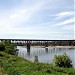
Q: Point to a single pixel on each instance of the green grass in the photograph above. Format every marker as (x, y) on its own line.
(14, 65)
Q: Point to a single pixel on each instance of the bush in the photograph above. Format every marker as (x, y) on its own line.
(2, 47)
(7, 47)
(10, 50)
(62, 61)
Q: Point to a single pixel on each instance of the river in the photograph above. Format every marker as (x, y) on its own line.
(45, 55)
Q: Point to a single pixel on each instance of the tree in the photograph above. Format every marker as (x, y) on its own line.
(7, 47)
(62, 61)
(2, 46)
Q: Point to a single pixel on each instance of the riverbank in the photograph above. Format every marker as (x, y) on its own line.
(61, 47)
(14, 65)
(54, 46)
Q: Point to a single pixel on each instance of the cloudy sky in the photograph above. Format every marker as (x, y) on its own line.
(37, 19)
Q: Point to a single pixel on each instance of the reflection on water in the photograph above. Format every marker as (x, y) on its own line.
(45, 55)
(46, 49)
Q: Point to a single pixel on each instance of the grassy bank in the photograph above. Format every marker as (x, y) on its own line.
(14, 65)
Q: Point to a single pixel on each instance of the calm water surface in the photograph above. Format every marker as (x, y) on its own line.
(45, 55)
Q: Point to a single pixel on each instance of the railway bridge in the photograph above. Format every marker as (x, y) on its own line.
(39, 42)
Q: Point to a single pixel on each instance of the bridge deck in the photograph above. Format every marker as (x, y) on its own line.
(34, 40)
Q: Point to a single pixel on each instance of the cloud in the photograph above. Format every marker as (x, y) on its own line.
(64, 14)
(68, 28)
(65, 22)
(25, 14)
(67, 13)
(16, 16)
(24, 18)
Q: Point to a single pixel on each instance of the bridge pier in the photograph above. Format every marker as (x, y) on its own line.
(46, 44)
(28, 48)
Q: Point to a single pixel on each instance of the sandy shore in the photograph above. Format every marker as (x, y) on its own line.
(62, 46)
(54, 46)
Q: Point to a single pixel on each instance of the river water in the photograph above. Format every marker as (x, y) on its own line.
(45, 55)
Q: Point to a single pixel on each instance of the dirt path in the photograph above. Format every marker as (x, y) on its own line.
(2, 72)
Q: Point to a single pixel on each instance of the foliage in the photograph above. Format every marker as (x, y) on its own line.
(18, 66)
(2, 47)
(14, 65)
(62, 61)
(7, 47)
(10, 49)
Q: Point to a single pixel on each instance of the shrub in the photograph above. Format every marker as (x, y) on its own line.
(62, 61)
(7, 47)
(2, 47)
(10, 50)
